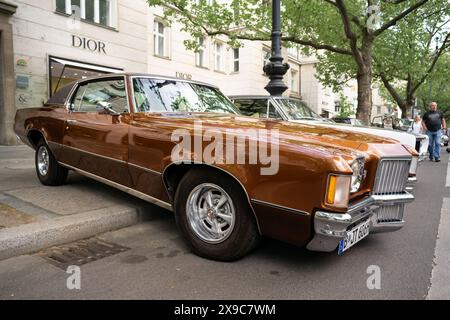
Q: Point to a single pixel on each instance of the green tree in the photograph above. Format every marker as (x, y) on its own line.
(408, 55)
(345, 107)
(340, 28)
(437, 87)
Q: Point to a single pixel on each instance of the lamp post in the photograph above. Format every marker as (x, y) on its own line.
(276, 69)
(431, 83)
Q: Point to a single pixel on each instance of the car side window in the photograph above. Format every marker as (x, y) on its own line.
(101, 96)
(256, 108)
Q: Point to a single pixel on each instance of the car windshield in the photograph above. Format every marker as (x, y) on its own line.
(298, 110)
(405, 122)
(160, 95)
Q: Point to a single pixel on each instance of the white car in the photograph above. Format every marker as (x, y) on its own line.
(295, 110)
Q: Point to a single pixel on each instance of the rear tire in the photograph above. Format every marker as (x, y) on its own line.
(214, 216)
(48, 170)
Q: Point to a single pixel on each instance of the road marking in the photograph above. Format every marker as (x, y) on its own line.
(448, 175)
(440, 284)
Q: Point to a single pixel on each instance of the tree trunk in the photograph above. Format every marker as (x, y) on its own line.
(364, 78)
(406, 108)
(363, 112)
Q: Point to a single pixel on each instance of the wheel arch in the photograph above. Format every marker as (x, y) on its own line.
(34, 136)
(174, 172)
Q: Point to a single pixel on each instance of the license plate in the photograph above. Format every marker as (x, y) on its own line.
(354, 236)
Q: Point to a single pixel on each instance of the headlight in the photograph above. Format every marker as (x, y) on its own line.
(338, 191)
(358, 174)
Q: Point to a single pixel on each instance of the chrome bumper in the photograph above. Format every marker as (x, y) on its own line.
(331, 228)
(411, 185)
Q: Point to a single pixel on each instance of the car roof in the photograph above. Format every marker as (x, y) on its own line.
(145, 75)
(60, 96)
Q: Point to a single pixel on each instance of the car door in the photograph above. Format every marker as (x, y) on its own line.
(96, 131)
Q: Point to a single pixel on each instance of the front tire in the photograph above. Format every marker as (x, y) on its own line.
(214, 216)
(49, 171)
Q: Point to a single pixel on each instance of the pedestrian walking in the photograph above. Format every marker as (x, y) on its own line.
(417, 128)
(433, 123)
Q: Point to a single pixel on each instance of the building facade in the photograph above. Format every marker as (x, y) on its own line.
(47, 44)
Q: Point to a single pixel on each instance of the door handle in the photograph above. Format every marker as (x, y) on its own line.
(69, 122)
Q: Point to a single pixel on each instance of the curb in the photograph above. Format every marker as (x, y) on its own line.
(31, 238)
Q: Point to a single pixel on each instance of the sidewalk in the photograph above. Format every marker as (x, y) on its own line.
(33, 217)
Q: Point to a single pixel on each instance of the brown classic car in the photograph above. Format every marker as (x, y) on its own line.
(330, 188)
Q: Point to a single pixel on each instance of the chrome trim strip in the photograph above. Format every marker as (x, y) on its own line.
(145, 169)
(300, 212)
(95, 154)
(109, 158)
(116, 185)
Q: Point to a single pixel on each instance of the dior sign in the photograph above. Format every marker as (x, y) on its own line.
(88, 44)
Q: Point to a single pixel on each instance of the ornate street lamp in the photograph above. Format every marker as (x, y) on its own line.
(436, 52)
(276, 69)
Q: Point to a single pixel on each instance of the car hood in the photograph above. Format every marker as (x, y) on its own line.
(402, 137)
(307, 134)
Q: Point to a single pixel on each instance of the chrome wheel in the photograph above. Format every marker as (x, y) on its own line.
(211, 213)
(43, 160)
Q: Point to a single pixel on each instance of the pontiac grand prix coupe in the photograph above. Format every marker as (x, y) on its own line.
(333, 187)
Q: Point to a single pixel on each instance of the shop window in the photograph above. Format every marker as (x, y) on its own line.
(63, 72)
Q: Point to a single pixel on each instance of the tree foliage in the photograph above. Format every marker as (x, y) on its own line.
(345, 107)
(342, 33)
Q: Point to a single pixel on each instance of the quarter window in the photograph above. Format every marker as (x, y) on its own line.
(100, 96)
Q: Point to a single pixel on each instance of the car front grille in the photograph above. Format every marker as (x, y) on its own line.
(389, 214)
(392, 176)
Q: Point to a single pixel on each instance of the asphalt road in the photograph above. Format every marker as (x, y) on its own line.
(160, 266)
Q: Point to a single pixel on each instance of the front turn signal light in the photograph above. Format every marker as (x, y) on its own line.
(338, 191)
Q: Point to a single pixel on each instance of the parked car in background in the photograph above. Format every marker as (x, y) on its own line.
(331, 189)
(392, 122)
(295, 110)
(350, 121)
(444, 139)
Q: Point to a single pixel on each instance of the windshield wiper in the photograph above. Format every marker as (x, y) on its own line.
(307, 118)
